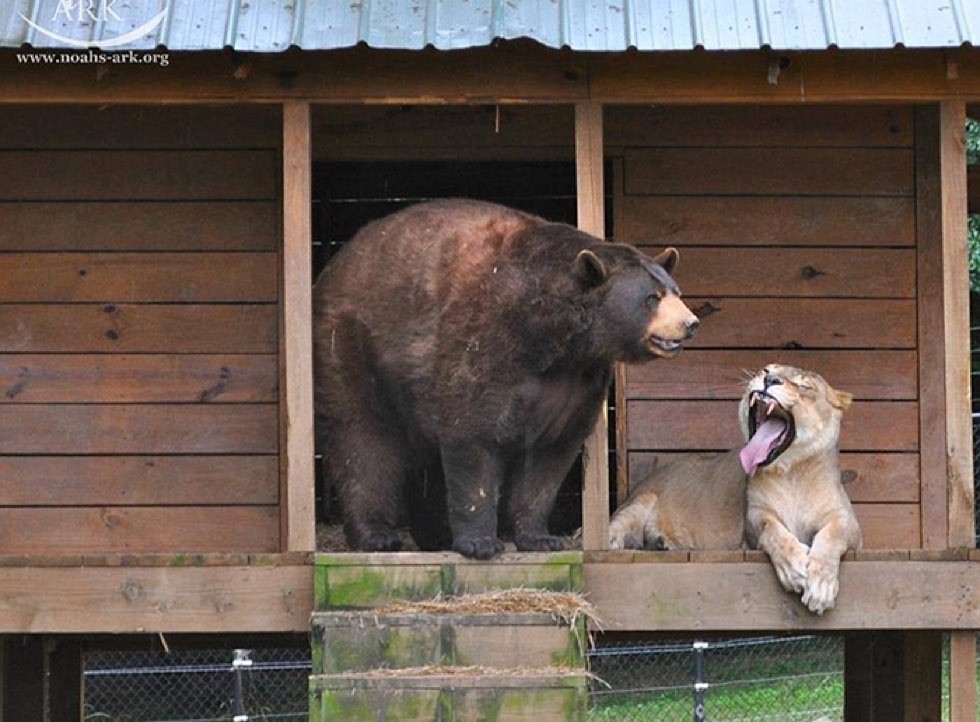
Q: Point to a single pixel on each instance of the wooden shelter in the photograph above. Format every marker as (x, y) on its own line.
(156, 445)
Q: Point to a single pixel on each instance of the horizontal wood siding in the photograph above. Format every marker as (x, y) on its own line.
(797, 235)
(139, 330)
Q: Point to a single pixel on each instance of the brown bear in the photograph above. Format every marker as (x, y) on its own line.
(479, 340)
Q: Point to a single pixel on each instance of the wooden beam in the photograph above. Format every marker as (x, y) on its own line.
(808, 77)
(962, 676)
(516, 71)
(922, 682)
(591, 219)
(140, 599)
(956, 302)
(298, 502)
(746, 596)
(931, 328)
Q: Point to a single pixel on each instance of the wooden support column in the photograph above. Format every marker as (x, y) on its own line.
(297, 499)
(959, 425)
(591, 219)
(956, 303)
(945, 436)
(893, 676)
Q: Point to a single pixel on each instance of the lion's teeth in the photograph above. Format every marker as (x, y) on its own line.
(772, 405)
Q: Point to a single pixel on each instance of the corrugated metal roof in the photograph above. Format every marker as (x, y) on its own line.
(593, 25)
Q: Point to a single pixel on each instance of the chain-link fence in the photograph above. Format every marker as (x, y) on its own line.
(976, 477)
(225, 685)
(768, 679)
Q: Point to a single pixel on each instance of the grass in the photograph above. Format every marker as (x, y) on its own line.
(802, 699)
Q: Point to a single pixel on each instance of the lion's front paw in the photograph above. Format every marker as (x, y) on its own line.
(624, 536)
(791, 568)
(822, 585)
(618, 536)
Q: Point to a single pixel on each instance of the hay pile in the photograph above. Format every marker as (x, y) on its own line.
(464, 671)
(563, 607)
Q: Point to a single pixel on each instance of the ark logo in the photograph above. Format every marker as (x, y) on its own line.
(78, 11)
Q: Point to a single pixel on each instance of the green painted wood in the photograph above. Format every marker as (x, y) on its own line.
(364, 581)
(450, 698)
(358, 642)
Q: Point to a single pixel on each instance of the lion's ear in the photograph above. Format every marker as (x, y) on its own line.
(841, 399)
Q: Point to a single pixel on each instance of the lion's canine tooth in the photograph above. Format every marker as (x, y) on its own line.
(772, 405)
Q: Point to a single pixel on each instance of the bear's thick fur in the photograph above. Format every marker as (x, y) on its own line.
(479, 341)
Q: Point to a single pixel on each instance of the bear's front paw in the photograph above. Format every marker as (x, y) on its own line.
(377, 540)
(479, 547)
(538, 543)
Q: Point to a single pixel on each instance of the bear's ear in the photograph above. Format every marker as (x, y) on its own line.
(590, 268)
(667, 258)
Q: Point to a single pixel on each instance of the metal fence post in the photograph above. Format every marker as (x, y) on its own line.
(240, 661)
(700, 684)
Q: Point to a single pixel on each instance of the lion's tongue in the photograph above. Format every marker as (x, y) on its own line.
(761, 443)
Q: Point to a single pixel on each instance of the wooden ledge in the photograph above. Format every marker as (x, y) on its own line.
(879, 590)
(156, 593)
(630, 556)
(158, 560)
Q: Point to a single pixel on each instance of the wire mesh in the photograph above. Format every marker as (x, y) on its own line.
(201, 685)
(765, 679)
(976, 477)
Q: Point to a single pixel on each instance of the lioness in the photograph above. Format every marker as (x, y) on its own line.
(780, 493)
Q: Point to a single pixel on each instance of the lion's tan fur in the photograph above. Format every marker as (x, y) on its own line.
(658, 513)
(795, 508)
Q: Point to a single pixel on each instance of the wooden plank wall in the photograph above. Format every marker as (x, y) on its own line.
(797, 232)
(139, 317)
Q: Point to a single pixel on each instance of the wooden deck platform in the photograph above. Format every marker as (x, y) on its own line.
(735, 592)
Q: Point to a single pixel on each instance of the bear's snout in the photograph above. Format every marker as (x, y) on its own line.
(671, 324)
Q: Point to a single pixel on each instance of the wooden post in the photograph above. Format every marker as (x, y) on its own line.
(959, 425)
(298, 532)
(591, 219)
(956, 303)
(893, 676)
(962, 676)
(945, 437)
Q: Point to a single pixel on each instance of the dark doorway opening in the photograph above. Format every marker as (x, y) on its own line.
(347, 195)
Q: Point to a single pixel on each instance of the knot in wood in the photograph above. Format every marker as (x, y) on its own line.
(132, 590)
(809, 272)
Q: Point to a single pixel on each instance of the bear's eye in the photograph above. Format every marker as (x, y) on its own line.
(653, 298)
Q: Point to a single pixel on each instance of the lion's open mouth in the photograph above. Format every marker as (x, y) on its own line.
(771, 431)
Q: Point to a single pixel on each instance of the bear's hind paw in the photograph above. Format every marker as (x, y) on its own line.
(480, 547)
